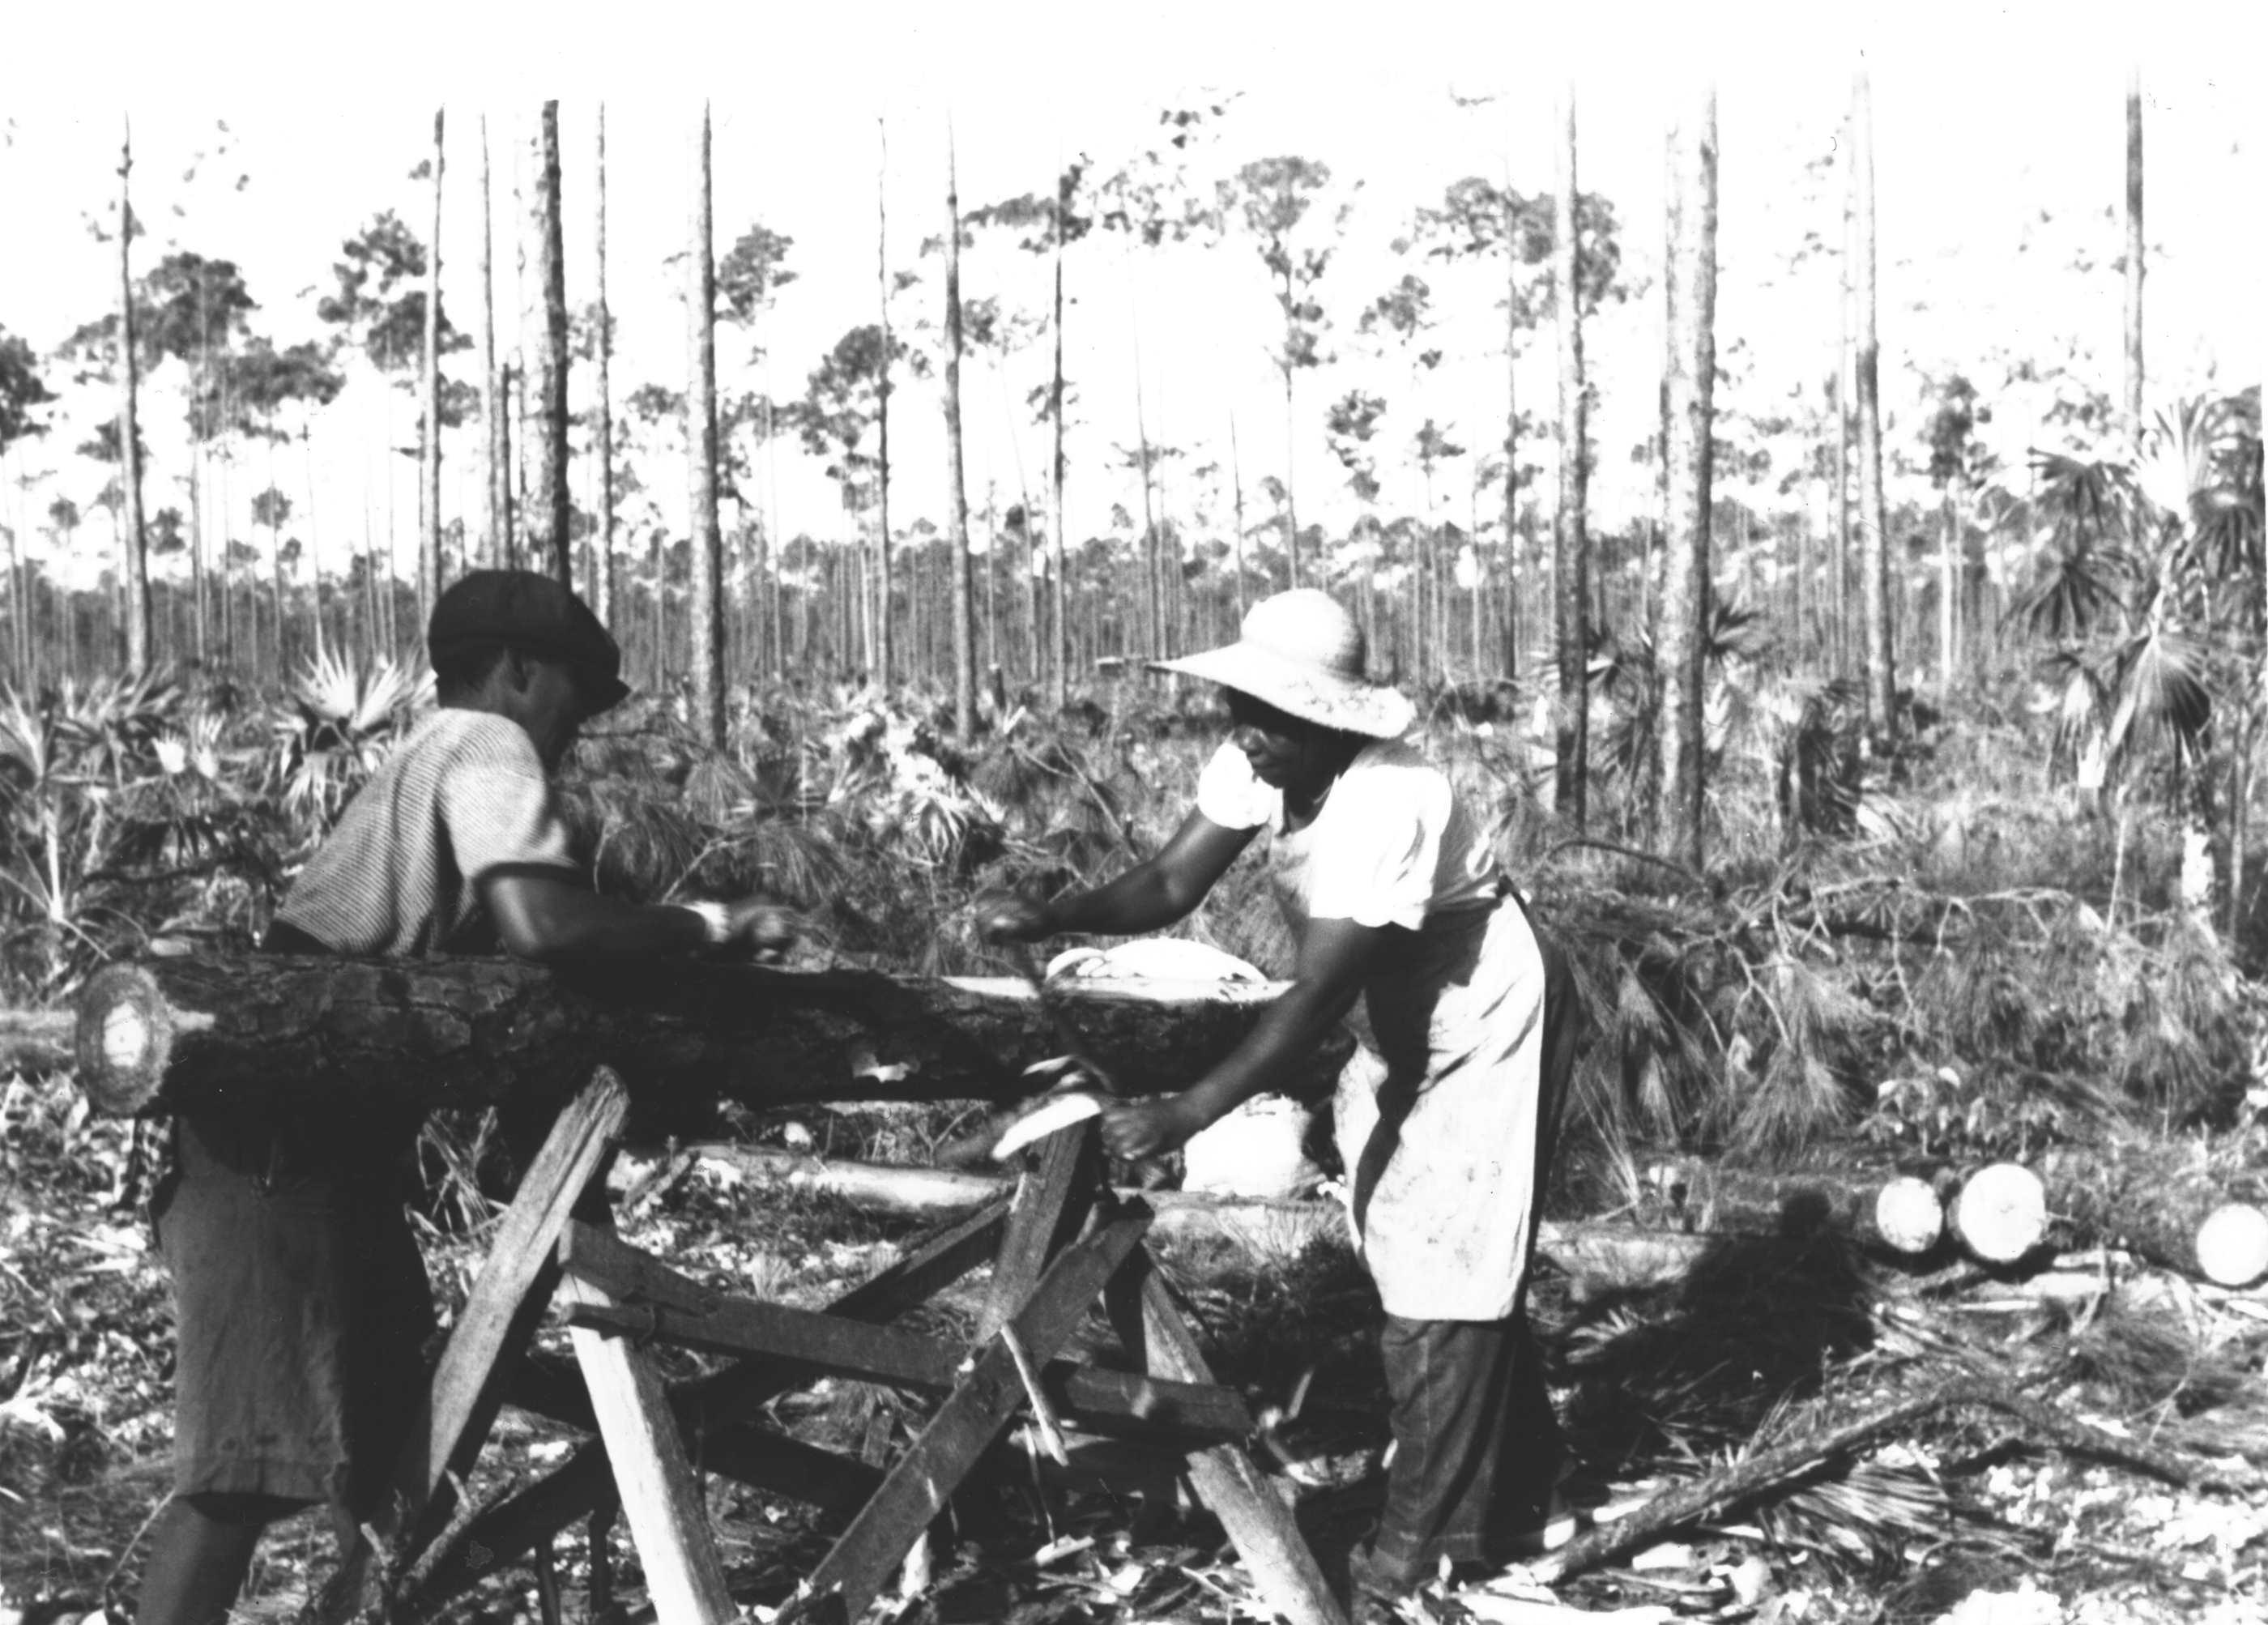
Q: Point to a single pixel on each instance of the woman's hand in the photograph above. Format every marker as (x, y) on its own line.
(1008, 918)
(1134, 1129)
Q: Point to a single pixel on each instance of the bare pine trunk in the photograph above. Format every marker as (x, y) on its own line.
(1948, 589)
(314, 540)
(1572, 566)
(964, 629)
(1678, 649)
(880, 645)
(701, 446)
(1290, 457)
(660, 607)
(550, 546)
(1236, 487)
(429, 533)
(1153, 607)
(2134, 260)
(1511, 437)
(1840, 629)
(602, 549)
(496, 397)
(1059, 676)
(133, 550)
(1881, 672)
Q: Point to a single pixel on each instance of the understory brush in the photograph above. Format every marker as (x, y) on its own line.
(1956, 962)
(1947, 949)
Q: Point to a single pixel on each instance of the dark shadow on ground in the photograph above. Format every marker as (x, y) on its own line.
(1702, 1363)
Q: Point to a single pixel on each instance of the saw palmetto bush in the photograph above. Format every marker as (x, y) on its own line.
(2151, 591)
(84, 812)
(336, 727)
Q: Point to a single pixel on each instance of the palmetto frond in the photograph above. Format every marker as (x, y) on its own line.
(111, 724)
(2207, 470)
(2090, 512)
(2082, 698)
(2077, 588)
(2161, 684)
(353, 700)
(27, 739)
(341, 724)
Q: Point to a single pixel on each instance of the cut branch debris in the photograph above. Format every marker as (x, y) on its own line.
(1769, 1469)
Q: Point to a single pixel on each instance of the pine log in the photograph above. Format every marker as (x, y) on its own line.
(1600, 1256)
(158, 1036)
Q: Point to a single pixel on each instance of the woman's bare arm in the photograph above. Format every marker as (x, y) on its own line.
(1149, 897)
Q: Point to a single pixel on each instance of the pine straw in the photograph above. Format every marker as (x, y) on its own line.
(2136, 1361)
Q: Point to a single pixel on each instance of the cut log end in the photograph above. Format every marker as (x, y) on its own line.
(2232, 1245)
(2001, 1213)
(1908, 1216)
(124, 1040)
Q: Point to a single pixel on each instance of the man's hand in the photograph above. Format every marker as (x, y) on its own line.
(1006, 918)
(765, 930)
(1138, 1128)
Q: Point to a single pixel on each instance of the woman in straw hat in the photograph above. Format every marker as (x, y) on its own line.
(1406, 926)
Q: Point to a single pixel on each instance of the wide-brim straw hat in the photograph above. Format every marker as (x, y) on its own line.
(1301, 652)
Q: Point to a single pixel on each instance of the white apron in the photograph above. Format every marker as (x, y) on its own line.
(1452, 1036)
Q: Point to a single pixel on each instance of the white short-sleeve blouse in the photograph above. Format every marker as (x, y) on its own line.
(1392, 845)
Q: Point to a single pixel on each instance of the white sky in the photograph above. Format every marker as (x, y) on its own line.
(1985, 116)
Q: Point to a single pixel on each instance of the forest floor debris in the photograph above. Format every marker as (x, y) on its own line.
(1798, 1431)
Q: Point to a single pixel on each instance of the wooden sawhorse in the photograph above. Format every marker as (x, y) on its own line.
(1058, 1243)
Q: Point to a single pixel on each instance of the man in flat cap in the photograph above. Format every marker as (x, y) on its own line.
(300, 1295)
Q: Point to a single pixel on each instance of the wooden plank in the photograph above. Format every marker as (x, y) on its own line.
(661, 1496)
(647, 1299)
(508, 1531)
(1051, 1207)
(497, 1319)
(917, 1488)
(1225, 1478)
(579, 1485)
(836, 1484)
(745, 1451)
(818, 1344)
(547, 1386)
(627, 1274)
(1130, 1406)
(1155, 1410)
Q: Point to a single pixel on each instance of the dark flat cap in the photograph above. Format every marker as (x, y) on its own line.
(520, 609)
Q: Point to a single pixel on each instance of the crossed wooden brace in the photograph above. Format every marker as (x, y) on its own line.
(1056, 1245)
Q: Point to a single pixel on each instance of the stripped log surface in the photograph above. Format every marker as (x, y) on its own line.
(165, 1035)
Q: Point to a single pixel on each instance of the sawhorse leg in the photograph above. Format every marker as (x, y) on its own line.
(1266, 1535)
(925, 1476)
(662, 1498)
(500, 1314)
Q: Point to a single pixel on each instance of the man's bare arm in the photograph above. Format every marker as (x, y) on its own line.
(551, 919)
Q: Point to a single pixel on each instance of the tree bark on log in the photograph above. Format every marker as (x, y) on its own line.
(157, 1037)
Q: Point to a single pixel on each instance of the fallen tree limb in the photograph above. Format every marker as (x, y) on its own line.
(154, 1037)
(1601, 1256)
(1769, 1469)
(936, 1193)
